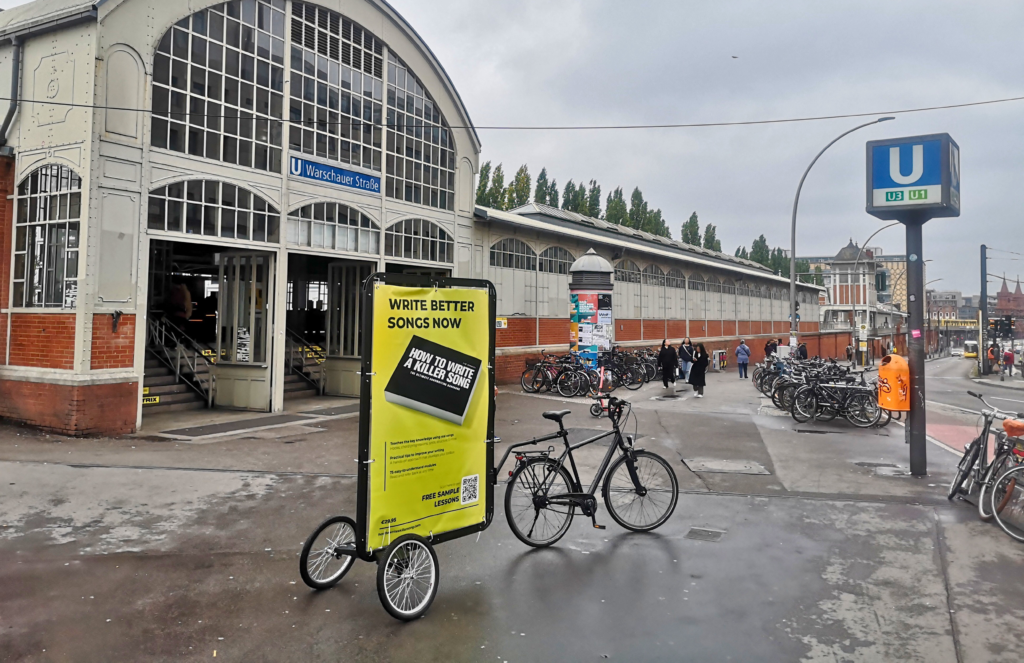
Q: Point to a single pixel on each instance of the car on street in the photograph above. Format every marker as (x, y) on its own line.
(956, 352)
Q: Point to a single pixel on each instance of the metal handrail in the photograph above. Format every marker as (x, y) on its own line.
(161, 331)
(296, 344)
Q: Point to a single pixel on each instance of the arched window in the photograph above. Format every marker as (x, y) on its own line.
(333, 226)
(714, 285)
(627, 272)
(556, 260)
(215, 209)
(218, 84)
(421, 152)
(675, 279)
(512, 253)
(652, 275)
(49, 203)
(337, 88)
(696, 282)
(419, 239)
(728, 287)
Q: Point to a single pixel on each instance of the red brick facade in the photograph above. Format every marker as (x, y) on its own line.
(554, 331)
(99, 409)
(43, 340)
(520, 332)
(112, 349)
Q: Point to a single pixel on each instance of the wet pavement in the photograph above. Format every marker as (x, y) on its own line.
(153, 549)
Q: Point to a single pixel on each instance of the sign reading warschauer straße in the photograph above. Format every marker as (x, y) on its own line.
(312, 170)
(919, 174)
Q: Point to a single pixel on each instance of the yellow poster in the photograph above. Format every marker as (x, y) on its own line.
(430, 401)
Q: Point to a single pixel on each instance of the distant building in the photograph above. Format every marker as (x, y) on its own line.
(1008, 303)
(944, 305)
(890, 274)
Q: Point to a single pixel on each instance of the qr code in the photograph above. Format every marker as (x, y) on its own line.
(470, 489)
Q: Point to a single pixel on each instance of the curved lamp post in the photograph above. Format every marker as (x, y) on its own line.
(867, 308)
(794, 326)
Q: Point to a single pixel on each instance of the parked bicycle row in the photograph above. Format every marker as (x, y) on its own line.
(822, 390)
(570, 376)
(994, 481)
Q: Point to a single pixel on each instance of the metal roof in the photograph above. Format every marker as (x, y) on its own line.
(41, 14)
(615, 235)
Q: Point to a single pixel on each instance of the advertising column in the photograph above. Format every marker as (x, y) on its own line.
(591, 328)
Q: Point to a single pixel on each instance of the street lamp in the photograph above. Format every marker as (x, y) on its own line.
(794, 326)
(927, 304)
(867, 307)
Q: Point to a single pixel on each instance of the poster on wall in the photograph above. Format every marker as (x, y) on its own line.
(428, 452)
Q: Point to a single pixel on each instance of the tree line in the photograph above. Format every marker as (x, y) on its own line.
(777, 261)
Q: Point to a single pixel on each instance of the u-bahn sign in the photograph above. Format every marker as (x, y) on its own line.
(313, 170)
(919, 175)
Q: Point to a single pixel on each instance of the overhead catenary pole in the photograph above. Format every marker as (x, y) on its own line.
(794, 325)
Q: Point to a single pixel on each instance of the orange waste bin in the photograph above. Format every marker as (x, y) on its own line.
(894, 384)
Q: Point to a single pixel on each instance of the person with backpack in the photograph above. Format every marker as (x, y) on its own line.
(742, 358)
(1008, 360)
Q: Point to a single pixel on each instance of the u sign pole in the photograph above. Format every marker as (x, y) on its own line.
(912, 180)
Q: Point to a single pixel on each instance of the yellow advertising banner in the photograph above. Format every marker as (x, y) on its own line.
(430, 403)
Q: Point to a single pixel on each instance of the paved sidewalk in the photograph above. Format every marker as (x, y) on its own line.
(143, 550)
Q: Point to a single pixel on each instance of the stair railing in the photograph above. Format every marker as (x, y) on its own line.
(306, 360)
(174, 348)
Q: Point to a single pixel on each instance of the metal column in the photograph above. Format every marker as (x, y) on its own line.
(916, 342)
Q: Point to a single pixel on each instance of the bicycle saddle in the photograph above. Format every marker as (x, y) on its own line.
(555, 415)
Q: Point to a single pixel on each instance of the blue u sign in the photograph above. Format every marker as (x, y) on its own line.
(915, 175)
(311, 170)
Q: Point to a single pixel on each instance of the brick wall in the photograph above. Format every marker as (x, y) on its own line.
(101, 409)
(714, 329)
(519, 333)
(110, 349)
(654, 330)
(676, 328)
(43, 340)
(554, 331)
(697, 328)
(627, 330)
(6, 237)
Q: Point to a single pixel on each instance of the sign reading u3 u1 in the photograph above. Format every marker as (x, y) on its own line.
(916, 173)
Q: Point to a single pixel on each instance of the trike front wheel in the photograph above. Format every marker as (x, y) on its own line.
(328, 553)
(407, 576)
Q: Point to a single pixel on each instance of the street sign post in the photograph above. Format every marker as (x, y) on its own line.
(911, 180)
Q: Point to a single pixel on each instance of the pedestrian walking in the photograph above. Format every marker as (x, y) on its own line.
(669, 362)
(698, 371)
(742, 358)
(802, 351)
(1008, 360)
(685, 358)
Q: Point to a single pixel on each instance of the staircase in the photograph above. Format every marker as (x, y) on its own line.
(177, 375)
(173, 396)
(304, 367)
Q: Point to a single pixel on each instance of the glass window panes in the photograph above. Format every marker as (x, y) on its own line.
(675, 279)
(421, 152)
(713, 284)
(512, 253)
(419, 239)
(333, 226)
(627, 272)
(218, 85)
(336, 99)
(653, 275)
(556, 260)
(49, 203)
(696, 282)
(728, 287)
(215, 209)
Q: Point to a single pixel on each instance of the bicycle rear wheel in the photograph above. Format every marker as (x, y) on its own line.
(1000, 464)
(528, 509)
(568, 383)
(643, 508)
(862, 410)
(1011, 517)
(805, 404)
(634, 378)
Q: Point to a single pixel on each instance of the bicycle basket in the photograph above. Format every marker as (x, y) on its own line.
(1013, 427)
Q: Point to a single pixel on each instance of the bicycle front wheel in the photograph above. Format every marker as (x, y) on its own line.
(1000, 464)
(531, 515)
(1010, 490)
(862, 410)
(963, 469)
(641, 492)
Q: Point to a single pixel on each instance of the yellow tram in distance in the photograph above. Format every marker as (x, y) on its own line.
(970, 349)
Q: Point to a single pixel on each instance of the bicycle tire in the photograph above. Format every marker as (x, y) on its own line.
(407, 577)
(805, 405)
(651, 370)
(568, 384)
(963, 468)
(596, 410)
(526, 380)
(634, 378)
(1011, 518)
(862, 410)
(1000, 464)
(622, 515)
(527, 491)
(884, 419)
(345, 534)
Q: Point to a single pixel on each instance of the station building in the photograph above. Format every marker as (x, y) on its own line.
(195, 192)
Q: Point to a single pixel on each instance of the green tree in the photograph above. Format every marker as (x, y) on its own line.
(553, 194)
(741, 252)
(778, 262)
(637, 209)
(540, 194)
(496, 193)
(485, 180)
(819, 277)
(691, 231)
(711, 240)
(594, 200)
(519, 189)
(803, 269)
(760, 253)
(615, 207)
(656, 225)
(579, 200)
(568, 196)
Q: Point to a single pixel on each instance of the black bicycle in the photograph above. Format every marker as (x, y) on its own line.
(640, 488)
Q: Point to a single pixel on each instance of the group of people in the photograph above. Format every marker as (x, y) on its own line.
(690, 364)
(1003, 359)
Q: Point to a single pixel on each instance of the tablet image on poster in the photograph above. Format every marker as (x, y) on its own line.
(429, 409)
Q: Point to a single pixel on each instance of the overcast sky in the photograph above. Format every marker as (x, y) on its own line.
(593, 62)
